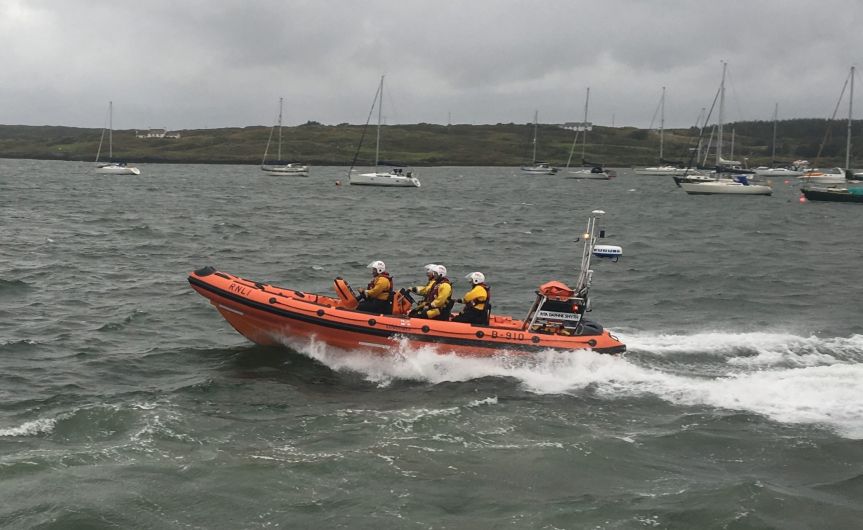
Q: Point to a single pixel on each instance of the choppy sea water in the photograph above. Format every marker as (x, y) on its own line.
(127, 402)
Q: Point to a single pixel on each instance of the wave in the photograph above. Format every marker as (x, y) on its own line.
(18, 346)
(785, 378)
(750, 349)
(119, 325)
(140, 423)
(142, 229)
(30, 428)
(10, 287)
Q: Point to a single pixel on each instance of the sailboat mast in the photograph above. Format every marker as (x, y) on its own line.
(110, 131)
(584, 125)
(773, 149)
(850, 113)
(661, 124)
(380, 110)
(721, 116)
(280, 130)
(731, 154)
(709, 145)
(535, 121)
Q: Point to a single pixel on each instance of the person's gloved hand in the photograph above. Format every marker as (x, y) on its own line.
(459, 301)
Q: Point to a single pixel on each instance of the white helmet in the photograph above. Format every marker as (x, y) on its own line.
(378, 266)
(430, 268)
(476, 278)
(440, 270)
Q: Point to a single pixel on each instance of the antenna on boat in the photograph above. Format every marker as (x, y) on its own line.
(585, 274)
(591, 249)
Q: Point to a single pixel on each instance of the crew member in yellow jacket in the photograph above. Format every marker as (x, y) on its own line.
(377, 296)
(430, 274)
(476, 301)
(437, 295)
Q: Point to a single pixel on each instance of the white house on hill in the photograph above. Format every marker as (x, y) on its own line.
(577, 126)
(156, 133)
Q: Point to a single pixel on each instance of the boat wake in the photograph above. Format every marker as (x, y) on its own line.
(750, 349)
(787, 378)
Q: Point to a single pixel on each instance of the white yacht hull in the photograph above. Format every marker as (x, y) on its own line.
(115, 169)
(724, 187)
(586, 174)
(539, 170)
(662, 171)
(384, 179)
(776, 172)
(289, 170)
(820, 177)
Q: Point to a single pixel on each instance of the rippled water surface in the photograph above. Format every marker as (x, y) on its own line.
(127, 402)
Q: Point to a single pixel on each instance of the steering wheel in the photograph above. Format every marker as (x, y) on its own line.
(357, 294)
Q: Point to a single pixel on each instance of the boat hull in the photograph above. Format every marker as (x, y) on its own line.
(289, 171)
(777, 172)
(662, 171)
(831, 194)
(269, 315)
(589, 175)
(118, 170)
(539, 170)
(725, 188)
(834, 176)
(384, 179)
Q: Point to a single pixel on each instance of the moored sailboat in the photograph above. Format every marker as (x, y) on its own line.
(590, 171)
(110, 166)
(394, 177)
(293, 169)
(666, 169)
(737, 184)
(536, 167)
(795, 170)
(834, 176)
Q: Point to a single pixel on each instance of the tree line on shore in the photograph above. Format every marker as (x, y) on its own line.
(424, 144)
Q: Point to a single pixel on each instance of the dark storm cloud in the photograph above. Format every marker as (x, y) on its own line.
(185, 64)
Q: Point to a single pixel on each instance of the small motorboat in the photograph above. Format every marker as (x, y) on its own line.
(270, 315)
(833, 193)
(817, 177)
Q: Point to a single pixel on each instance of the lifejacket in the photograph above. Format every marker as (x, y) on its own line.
(433, 292)
(386, 295)
(424, 290)
(486, 311)
(473, 303)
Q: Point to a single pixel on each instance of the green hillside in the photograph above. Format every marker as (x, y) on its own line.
(428, 144)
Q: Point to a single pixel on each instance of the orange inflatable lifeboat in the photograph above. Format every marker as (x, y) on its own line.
(270, 315)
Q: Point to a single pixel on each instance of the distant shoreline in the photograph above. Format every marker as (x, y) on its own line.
(430, 145)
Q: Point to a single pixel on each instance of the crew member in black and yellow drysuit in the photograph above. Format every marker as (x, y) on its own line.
(377, 297)
(476, 301)
(437, 295)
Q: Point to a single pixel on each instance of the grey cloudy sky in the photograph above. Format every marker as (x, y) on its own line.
(214, 63)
